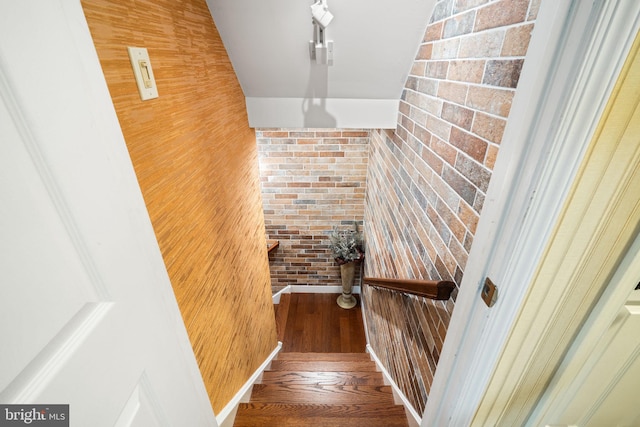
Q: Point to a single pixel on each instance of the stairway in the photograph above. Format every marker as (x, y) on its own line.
(321, 389)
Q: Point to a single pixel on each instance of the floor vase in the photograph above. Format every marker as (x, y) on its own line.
(347, 272)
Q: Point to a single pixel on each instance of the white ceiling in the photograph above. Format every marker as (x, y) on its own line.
(375, 43)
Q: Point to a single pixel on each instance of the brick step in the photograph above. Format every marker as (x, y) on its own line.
(287, 415)
(322, 378)
(322, 394)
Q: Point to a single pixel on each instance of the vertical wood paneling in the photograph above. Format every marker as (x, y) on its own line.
(196, 162)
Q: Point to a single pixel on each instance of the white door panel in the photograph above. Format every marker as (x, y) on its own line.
(608, 394)
(35, 243)
(596, 384)
(87, 314)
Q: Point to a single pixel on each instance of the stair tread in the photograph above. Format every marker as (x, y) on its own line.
(279, 414)
(326, 411)
(322, 394)
(321, 389)
(322, 366)
(346, 421)
(328, 357)
(322, 378)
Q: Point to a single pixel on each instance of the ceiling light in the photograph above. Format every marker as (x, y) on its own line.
(320, 49)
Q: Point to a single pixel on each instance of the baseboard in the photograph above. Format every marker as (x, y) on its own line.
(277, 295)
(311, 289)
(411, 412)
(226, 417)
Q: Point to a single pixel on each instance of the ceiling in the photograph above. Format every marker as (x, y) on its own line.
(375, 44)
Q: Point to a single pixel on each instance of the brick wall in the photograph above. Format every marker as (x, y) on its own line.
(428, 178)
(312, 181)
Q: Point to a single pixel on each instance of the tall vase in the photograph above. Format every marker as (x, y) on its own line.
(347, 272)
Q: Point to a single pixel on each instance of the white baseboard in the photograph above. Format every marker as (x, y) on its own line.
(227, 416)
(276, 296)
(407, 405)
(311, 289)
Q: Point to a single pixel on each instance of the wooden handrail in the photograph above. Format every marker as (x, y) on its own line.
(434, 289)
(272, 245)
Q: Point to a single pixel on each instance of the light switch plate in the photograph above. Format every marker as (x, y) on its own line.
(143, 72)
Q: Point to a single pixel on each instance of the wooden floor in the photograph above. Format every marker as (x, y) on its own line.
(321, 390)
(314, 323)
(322, 377)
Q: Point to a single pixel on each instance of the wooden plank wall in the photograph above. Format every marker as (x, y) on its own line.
(196, 161)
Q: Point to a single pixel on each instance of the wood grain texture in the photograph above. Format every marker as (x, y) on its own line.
(291, 415)
(328, 394)
(315, 323)
(329, 411)
(433, 289)
(196, 161)
(323, 378)
(310, 395)
(322, 366)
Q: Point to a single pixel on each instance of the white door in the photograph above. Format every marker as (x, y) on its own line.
(597, 383)
(87, 314)
(608, 391)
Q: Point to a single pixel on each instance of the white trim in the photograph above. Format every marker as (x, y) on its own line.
(320, 289)
(342, 113)
(228, 413)
(363, 309)
(563, 88)
(311, 289)
(277, 295)
(409, 408)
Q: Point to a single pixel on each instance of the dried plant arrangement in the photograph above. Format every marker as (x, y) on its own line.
(347, 245)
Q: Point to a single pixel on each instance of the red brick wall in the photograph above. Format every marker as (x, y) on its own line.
(312, 181)
(428, 178)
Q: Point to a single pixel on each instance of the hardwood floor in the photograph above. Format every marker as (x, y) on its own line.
(314, 323)
(322, 377)
(321, 390)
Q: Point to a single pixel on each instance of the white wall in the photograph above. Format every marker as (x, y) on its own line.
(375, 43)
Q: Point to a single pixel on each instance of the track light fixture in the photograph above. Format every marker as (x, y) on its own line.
(320, 49)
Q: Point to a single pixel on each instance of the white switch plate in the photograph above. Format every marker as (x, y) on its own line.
(141, 65)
